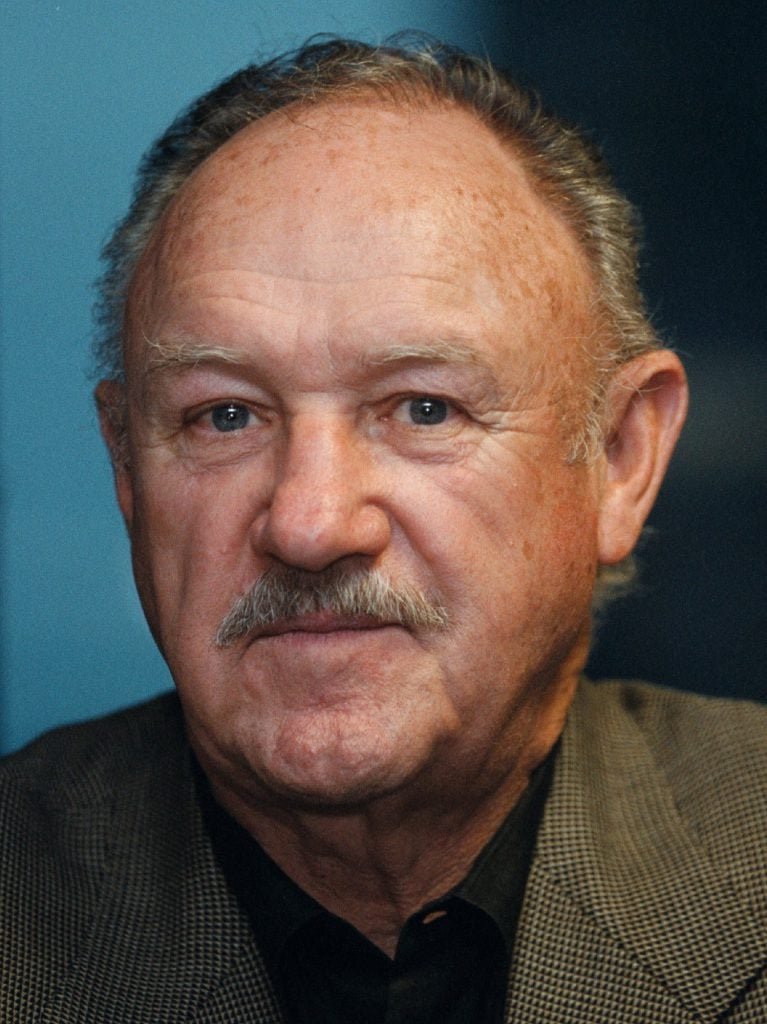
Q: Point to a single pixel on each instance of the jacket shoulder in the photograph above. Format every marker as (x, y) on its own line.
(712, 755)
(688, 732)
(60, 801)
(79, 765)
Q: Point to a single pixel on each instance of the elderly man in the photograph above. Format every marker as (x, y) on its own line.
(384, 410)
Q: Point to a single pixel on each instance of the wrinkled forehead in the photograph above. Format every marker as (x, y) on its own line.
(308, 192)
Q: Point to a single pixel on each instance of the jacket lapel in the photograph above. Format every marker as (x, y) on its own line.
(625, 916)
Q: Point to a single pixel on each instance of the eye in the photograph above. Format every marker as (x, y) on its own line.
(230, 416)
(426, 411)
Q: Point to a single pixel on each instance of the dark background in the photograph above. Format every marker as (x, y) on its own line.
(675, 94)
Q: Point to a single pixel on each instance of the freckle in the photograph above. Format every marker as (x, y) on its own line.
(269, 156)
(527, 550)
(525, 290)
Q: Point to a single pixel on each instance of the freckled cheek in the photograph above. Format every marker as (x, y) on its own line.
(572, 543)
(524, 524)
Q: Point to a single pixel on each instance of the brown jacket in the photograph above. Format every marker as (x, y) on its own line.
(646, 902)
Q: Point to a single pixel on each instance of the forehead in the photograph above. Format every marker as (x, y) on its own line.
(366, 190)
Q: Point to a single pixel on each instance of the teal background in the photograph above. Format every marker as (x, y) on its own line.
(676, 96)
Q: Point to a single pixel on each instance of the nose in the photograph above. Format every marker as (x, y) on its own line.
(325, 504)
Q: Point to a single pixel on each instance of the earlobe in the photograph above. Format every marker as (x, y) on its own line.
(111, 404)
(647, 407)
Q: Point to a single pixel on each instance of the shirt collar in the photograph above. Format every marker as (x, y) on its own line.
(496, 880)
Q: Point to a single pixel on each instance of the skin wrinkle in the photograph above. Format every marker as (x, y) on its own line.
(182, 208)
(190, 353)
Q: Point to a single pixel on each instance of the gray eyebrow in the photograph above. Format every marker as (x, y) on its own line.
(434, 352)
(187, 353)
(447, 352)
(184, 353)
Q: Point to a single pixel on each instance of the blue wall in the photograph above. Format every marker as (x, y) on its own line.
(86, 87)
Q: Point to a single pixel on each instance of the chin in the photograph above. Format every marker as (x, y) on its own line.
(326, 762)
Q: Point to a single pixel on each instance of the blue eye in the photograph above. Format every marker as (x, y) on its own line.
(427, 411)
(229, 417)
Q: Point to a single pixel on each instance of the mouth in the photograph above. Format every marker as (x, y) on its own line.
(320, 624)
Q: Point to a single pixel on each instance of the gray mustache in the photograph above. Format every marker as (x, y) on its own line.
(282, 594)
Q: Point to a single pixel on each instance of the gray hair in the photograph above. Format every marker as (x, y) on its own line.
(567, 168)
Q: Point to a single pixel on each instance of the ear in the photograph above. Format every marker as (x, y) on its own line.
(647, 404)
(111, 402)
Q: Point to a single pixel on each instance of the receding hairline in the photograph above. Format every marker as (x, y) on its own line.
(419, 100)
(408, 69)
(398, 98)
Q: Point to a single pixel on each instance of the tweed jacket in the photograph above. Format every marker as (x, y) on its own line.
(646, 901)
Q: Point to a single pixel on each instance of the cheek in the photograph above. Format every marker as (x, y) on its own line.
(191, 551)
(560, 529)
(525, 536)
(559, 552)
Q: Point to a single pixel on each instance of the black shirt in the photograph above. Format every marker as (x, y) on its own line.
(452, 960)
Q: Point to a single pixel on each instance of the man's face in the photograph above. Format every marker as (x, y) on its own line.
(354, 343)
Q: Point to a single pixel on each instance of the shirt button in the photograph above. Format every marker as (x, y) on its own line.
(433, 915)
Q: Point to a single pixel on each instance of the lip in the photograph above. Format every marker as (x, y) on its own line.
(321, 624)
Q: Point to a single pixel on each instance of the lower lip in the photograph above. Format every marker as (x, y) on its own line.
(305, 637)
